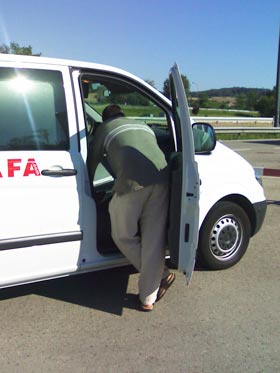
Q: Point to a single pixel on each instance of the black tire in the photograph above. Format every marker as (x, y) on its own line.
(224, 236)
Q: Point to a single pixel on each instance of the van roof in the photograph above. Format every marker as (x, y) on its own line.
(23, 59)
(56, 61)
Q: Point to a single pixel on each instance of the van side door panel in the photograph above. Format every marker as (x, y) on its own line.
(40, 173)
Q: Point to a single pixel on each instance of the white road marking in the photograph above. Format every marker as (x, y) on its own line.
(242, 150)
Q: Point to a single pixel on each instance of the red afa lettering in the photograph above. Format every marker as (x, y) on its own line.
(15, 165)
(12, 166)
(31, 168)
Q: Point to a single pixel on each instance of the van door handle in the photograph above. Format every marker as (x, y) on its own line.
(59, 172)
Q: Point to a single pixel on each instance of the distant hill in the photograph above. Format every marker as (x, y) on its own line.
(231, 92)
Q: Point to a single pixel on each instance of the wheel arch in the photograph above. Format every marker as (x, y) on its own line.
(244, 203)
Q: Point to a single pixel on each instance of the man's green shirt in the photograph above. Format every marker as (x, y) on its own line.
(132, 153)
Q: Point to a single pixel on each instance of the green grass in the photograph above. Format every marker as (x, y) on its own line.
(247, 136)
(144, 111)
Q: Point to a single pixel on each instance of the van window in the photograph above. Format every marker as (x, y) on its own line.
(98, 91)
(32, 110)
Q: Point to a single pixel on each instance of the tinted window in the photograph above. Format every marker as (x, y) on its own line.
(32, 110)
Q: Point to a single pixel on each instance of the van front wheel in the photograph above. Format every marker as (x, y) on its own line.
(224, 236)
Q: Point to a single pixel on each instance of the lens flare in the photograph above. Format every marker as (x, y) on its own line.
(21, 84)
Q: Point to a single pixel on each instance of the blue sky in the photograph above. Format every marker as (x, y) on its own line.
(215, 43)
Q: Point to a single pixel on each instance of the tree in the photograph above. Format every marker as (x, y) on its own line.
(266, 104)
(252, 98)
(195, 109)
(203, 99)
(259, 100)
(15, 48)
(186, 83)
(151, 82)
(241, 101)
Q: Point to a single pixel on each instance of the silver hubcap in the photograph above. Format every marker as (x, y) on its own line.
(225, 238)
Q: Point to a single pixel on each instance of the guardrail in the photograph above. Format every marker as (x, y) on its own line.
(235, 120)
(227, 124)
(247, 129)
(267, 122)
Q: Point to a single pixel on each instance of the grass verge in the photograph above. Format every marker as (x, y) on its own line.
(247, 136)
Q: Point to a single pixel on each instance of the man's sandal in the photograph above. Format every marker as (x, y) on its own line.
(144, 307)
(165, 285)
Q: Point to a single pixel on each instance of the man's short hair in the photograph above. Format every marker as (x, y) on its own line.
(111, 111)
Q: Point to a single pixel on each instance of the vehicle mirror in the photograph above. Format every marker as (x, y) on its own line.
(204, 137)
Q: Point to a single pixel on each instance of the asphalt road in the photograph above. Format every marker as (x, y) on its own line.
(226, 321)
(260, 153)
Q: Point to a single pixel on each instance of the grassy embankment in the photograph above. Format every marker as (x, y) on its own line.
(144, 111)
(237, 135)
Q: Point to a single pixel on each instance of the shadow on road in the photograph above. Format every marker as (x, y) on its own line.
(103, 290)
(264, 142)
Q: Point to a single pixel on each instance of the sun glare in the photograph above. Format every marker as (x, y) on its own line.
(21, 84)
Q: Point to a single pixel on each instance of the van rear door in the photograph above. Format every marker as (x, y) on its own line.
(184, 202)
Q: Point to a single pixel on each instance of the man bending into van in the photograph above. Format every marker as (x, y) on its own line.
(138, 209)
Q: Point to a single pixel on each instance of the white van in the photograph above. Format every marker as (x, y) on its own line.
(54, 219)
